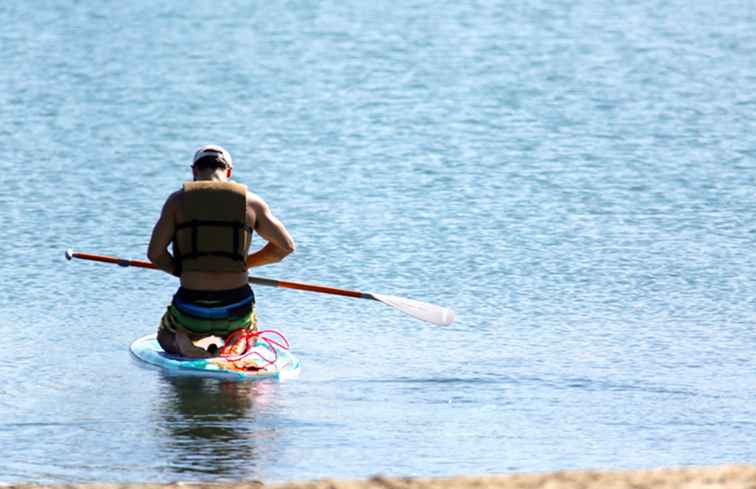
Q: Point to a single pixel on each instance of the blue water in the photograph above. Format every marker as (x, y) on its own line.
(576, 179)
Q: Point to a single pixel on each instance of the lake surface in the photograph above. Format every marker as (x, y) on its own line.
(576, 179)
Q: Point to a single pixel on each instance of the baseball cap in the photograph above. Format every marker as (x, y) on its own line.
(213, 150)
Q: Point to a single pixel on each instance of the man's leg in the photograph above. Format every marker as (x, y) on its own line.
(187, 348)
(175, 341)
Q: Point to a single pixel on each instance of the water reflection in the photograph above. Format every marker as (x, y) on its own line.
(209, 427)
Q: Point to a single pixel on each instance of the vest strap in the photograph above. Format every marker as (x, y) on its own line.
(194, 224)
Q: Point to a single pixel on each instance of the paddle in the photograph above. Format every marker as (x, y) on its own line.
(420, 310)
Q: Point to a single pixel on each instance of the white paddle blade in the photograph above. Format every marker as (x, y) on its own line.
(420, 310)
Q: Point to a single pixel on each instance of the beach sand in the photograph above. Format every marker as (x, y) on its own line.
(729, 476)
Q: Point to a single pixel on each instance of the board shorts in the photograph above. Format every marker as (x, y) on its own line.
(203, 313)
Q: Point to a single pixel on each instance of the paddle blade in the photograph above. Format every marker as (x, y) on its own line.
(420, 310)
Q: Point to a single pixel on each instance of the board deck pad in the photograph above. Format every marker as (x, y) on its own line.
(286, 365)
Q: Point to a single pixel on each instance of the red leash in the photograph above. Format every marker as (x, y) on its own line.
(249, 338)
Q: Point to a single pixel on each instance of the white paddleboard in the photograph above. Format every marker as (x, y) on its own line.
(265, 362)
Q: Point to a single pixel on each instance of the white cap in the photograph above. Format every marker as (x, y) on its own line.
(213, 150)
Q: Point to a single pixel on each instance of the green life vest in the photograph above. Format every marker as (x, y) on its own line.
(211, 232)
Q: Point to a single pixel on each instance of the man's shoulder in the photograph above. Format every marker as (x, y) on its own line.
(175, 195)
(172, 201)
(255, 200)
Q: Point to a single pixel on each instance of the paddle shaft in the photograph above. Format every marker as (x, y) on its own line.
(310, 288)
(111, 259)
(253, 280)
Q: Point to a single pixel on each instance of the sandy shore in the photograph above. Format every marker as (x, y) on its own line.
(729, 476)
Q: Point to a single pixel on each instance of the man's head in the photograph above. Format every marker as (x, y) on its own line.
(212, 162)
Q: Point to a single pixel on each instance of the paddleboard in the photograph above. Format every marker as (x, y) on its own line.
(253, 367)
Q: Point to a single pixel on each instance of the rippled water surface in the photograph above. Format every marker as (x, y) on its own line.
(576, 179)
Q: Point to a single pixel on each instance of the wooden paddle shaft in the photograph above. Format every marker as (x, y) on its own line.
(111, 259)
(253, 280)
(420, 310)
(310, 288)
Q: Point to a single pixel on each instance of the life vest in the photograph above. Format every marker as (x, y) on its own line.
(211, 232)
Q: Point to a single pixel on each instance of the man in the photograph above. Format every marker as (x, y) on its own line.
(210, 223)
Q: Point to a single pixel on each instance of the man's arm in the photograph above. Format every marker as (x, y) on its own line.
(280, 243)
(162, 235)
